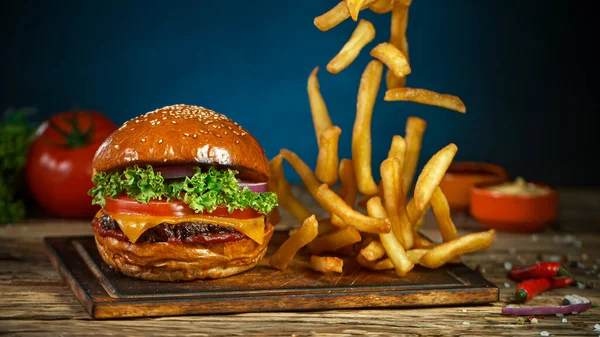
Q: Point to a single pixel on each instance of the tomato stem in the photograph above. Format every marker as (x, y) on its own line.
(76, 137)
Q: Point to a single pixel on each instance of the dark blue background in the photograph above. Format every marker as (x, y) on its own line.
(524, 69)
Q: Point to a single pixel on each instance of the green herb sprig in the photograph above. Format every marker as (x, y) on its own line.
(204, 191)
(16, 135)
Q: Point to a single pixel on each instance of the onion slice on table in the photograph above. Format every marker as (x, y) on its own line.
(576, 304)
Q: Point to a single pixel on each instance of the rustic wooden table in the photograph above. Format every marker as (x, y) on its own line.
(35, 301)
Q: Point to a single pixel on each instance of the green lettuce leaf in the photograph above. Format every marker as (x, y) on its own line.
(204, 191)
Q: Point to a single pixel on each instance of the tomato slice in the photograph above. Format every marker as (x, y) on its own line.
(125, 205)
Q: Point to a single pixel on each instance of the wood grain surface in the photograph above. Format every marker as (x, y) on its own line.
(35, 301)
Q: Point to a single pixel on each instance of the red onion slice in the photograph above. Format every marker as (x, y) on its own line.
(170, 172)
(255, 187)
(182, 171)
(576, 304)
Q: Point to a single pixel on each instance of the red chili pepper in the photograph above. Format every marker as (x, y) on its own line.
(562, 282)
(530, 288)
(540, 270)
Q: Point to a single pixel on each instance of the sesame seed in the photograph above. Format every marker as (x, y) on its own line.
(237, 141)
(116, 146)
(195, 135)
(165, 160)
(160, 141)
(225, 132)
(143, 140)
(186, 134)
(174, 122)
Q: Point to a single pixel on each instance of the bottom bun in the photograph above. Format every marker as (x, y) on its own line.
(164, 261)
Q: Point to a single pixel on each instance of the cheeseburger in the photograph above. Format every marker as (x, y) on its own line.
(183, 195)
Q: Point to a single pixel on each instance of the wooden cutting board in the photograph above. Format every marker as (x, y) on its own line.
(105, 293)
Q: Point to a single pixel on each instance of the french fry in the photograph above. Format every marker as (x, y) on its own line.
(306, 174)
(286, 252)
(415, 255)
(327, 161)
(334, 240)
(348, 190)
(441, 254)
(416, 217)
(286, 199)
(334, 204)
(391, 81)
(393, 58)
(424, 96)
(325, 264)
(354, 7)
(382, 6)
(398, 149)
(336, 15)
(393, 248)
(398, 26)
(385, 264)
(441, 210)
(324, 227)
(318, 108)
(362, 35)
(432, 175)
(393, 196)
(373, 251)
(399, 23)
(422, 242)
(361, 133)
(415, 128)
(413, 213)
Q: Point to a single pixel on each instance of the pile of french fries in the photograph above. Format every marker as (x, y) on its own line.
(386, 236)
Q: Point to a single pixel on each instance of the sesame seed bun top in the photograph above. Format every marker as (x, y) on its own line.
(183, 135)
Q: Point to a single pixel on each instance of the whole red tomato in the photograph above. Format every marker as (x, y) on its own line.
(59, 166)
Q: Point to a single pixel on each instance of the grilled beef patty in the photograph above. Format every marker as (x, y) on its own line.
(184, 233)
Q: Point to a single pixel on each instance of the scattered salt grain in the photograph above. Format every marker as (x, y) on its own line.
(544, 333)
(564, 320)
(559, 314)
(577, 244)
(512, 250)
(466, 323)
(534, 237)
(574, 313)
(464, 310)
(506, 285)
(580, 285)
(597, 327)
(555, 258)
(585, 256)
(507, 265)
(595, 267)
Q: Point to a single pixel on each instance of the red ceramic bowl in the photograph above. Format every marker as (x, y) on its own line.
(462, 176)
(513, 213)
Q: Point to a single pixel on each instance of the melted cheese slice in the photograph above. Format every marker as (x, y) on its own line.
(133, 226)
